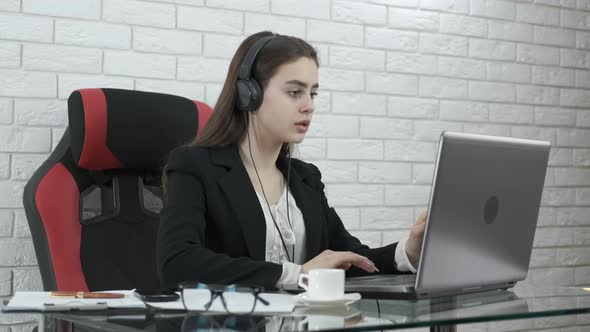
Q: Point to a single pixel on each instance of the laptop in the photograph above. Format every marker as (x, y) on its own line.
(482, 215)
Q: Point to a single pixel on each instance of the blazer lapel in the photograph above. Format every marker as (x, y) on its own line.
(243, 200)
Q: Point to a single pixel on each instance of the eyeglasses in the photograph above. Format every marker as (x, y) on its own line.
(200, 322)
(235, 299)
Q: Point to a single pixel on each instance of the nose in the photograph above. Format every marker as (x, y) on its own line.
(307, 105)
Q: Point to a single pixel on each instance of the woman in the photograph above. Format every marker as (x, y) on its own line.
(239, 209)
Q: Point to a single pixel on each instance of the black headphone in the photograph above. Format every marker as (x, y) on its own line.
(248, 90)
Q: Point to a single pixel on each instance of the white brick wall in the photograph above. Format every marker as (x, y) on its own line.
(393, 75)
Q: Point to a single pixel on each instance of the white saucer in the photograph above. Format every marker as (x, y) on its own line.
(346, 299)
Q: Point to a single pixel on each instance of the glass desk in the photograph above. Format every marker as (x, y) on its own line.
(440, 314)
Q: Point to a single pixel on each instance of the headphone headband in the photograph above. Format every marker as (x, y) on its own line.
(250, 57)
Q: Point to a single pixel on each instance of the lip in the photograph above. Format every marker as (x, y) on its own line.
(303, 123)
(302, 126)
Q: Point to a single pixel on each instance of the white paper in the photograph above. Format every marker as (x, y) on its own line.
(42, 301)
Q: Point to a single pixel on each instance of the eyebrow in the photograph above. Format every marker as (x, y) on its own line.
(301, 84)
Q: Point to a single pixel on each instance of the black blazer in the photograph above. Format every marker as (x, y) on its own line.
(213, 230)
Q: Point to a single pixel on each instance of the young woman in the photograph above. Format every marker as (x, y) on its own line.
(239, 209)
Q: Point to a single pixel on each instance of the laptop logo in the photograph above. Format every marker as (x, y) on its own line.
(490, 211)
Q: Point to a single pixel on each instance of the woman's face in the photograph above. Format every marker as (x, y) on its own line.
(287, 105)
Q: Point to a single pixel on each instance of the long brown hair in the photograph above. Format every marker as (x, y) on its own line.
(227, 124)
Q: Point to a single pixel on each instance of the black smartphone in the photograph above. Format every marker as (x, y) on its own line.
(156, 295)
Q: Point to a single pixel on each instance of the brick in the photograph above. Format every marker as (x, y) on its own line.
(290, 26)
(386, 218)
(355, 149)
(406, 195)
(444, 44)
(537, 95)
(357, 58)
(221, 46)
(582, 236)
(555, 116)
(509, 72)
(573, 216)
(553, 237)
(539, 133)
(582, 39)
(543, 257)
(391, 39)
(575, 58)
(529, 13)
(202, 69)
(29, 28)
(340, 79)
(561, 157)
(510, 31)
(334, 126)
(25, 139)
(558, 197)
(552, 276)
(62, 58)
(493, 9)
(502, 92)
(5, 283)
(378, 127)
(554, 36)
(337, 33)
(167, 41)
(582, 157)
(40, 112)
(6, 223)
(139, 13)
(413, 19)
(463, 111)
(553, 76)
(28, 279)
(493, 49)
(511, 113)
(245, 5)
(71, 82)
(582, 79)
(321, 8)
(212, 92)
(461, 68)
(371, 239)
(459, 6)
(407, 107)
(6, 111)
(443, 87)
(574, 97)
(547, 217)
(10, 5)
(21, 225)
(17, 252)
(207, 19)
(572, 176)
(411, 63)
(313, 149)
(583, 119)
(87, 9)
(573, 256)
(56, 135)
(354, 12)
(576, 19)
(535, 54)
(350, 218)
(359, 103)
(384, 172)
(337, 171)
(9, 54)
(27, 84)
(463, 25)
(431, 130)
(422, 173)
(410, 151)
(582, 275)
(190, 90)
(93, 34)
(139, 64)
(323, 102)
(351, 195)
(392, 83)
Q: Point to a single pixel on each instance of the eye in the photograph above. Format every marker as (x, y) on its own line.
(294, 93)
(313, 95)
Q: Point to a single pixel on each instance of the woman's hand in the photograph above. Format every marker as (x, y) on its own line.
(414, 243)
(329, 259)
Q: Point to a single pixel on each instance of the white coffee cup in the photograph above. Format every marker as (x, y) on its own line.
(323, 284)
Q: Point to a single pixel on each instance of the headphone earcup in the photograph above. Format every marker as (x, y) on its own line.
(248, 95)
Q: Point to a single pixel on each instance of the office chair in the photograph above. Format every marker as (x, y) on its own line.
(93, 205)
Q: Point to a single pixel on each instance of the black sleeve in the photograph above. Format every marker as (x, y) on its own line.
(182, 255)
(341, 240)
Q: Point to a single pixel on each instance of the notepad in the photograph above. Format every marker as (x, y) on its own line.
(42, 301)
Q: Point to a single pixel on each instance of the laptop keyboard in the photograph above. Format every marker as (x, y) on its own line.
(383, 279)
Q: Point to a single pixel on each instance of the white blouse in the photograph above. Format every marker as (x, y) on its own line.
(294, 237)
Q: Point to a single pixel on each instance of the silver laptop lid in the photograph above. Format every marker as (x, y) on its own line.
(482, 213)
